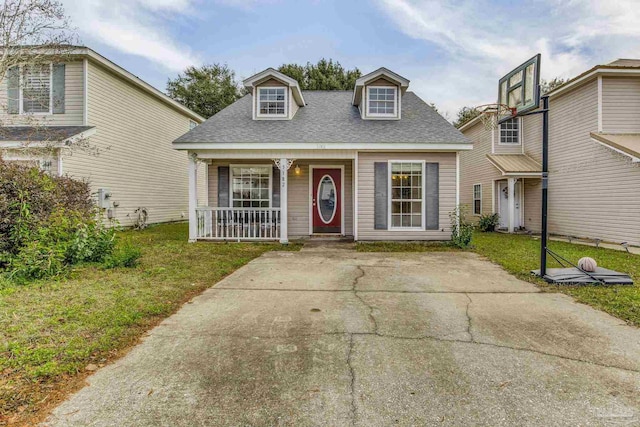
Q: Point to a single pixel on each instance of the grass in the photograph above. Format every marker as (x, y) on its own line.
(50, 331)
(519, 254)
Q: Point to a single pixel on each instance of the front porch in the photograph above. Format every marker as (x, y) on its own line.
(270, 199)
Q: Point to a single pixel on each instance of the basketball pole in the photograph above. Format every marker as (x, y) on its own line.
(545, 184)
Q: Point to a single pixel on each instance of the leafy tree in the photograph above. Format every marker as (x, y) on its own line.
(466, 114)
(206, 89)
(548, 86)
(325, 75)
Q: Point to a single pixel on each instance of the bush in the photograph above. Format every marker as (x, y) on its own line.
(488, 223)
(125, 256)
(461, 229)
(47, 224)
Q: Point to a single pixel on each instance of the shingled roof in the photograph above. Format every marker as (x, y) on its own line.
(328, 117)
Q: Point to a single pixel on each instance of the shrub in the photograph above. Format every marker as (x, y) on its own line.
(46, 224)
(488, 223)
(461, 228)
(124, 256)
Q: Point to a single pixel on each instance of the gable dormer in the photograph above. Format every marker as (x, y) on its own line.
(378, 95)
(275, 95)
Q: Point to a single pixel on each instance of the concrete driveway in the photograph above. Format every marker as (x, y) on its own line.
(338, 338)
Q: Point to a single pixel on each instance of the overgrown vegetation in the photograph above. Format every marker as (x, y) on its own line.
(47, 224)
(488, 222)
(52, 330)
(461, 228)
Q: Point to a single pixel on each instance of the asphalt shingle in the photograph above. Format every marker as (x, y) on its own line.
(328, 117)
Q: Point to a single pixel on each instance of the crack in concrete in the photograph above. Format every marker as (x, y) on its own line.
(469, 324)
(354, 285)
(352, 391)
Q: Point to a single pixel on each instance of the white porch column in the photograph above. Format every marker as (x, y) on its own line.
(511, 197)
(193, 197)
(284, 165)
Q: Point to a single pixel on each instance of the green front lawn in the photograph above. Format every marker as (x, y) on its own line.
(50, 331)
(519, 254)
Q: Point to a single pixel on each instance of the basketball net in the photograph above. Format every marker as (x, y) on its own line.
(490, 114)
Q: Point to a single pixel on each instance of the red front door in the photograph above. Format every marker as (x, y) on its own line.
(326, 203)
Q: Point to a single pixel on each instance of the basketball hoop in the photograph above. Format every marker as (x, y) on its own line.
(490, 114)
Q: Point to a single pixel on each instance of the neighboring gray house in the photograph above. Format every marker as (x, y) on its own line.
(89, 100)
(594, 160)
(375, 163)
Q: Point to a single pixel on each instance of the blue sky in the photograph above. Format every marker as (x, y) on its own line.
(452, 51)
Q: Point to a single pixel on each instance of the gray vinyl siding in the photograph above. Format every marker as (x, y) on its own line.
(74, 102)
(532, 204)
(476, 169)
(447, 195)
(621, 104)
(134, 131)
(532, 136)
(593, 192)
(298, 194)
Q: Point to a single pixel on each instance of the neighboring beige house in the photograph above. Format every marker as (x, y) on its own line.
(594, 155)
(375, 163)
(90, 101)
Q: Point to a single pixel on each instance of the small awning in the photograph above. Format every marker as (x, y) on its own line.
(625, 143)
(515, 164)
(35, 136)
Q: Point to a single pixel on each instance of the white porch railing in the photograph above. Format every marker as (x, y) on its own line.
(238, 223)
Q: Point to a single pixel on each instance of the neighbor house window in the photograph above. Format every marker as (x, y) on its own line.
(477, 199)
(381, 101)
(406, 194)
(36, 89)
(272, 101)
(251, 186)
(510, 131)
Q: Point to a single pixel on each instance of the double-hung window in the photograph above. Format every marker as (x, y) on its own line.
(251, 186)
(510, 131)
(381, 101)
(36, 89)
(272, 101)
(477, 199)
(407, 204)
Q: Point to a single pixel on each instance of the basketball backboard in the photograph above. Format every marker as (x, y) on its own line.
(520, 88)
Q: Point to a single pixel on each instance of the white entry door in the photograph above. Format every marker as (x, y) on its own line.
(503, 204)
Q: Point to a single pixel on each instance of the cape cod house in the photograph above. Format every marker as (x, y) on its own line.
(375, 163)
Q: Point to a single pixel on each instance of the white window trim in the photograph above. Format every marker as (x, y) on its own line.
(265, 165)
(473, 197)
(396, 101)
(511, 144)
(389, 197)
(286, 102)
(45, 113)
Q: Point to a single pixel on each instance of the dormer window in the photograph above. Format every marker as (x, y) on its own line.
(381, 101)
(273, 101)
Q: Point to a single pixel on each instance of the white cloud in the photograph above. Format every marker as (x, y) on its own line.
(136, 27)
(480, 41)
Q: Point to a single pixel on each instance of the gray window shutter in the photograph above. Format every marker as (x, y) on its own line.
(13, 90)
(223, 186)
(381, 200)
(275, 188)
(58, 88)
(433, 196)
